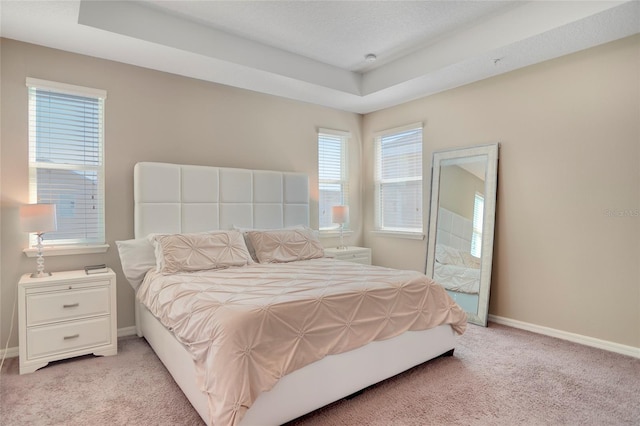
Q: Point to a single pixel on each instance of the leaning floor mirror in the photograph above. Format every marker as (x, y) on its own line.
(461, 225)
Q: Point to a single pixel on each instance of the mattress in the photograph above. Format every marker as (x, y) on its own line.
(247, 327)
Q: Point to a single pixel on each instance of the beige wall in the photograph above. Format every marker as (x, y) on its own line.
(569, 163)
(458, 189)
(151, 116)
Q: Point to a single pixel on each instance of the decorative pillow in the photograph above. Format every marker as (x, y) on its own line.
(247, 241)
(285, 245)
(200, 251)
(448, 255)
(137, 258)
(470, 260)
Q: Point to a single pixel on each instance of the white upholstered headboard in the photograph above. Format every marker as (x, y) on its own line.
(454, 230)
(174, 198)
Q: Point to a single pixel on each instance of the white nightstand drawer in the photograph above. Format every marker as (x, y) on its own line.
(350, 254)
(68, 304)
(67, 337)
(357, 258)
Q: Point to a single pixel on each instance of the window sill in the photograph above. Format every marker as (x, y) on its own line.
(399, 234)
(67, 250)
(329, 233)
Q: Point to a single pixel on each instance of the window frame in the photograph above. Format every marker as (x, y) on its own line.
(343, 181)
(477, 222)
(82, 245)
(379, 228)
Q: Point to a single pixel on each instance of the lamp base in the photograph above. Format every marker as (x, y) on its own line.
(40, 273)
(341, 246)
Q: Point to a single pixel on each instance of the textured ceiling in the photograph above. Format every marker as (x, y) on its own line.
(338, 33)
(313, 51)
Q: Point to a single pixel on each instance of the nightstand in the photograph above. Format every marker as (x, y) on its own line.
(351, 254)
(66, 315)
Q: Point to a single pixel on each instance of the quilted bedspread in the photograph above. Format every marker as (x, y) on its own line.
(246, 327)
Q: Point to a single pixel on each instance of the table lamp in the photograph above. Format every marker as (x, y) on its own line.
(38, 218)
(340, 215)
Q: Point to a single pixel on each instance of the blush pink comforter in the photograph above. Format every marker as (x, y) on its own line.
(247, 327)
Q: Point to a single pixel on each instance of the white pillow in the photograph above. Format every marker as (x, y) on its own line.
(137, 258)
(470, 260)
(448, 255)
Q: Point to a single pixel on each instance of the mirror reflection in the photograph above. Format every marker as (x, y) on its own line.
(461, 226)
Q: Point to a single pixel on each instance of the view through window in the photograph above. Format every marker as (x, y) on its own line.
(398, 180)
(333, 180)
(66, 161)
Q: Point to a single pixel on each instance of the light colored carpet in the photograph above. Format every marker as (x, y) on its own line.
(498, 376)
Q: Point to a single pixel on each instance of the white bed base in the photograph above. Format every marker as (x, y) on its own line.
(173, 198)
(313, 386)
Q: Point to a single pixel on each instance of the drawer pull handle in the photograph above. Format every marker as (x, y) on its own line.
(75, 336)
(73, 305)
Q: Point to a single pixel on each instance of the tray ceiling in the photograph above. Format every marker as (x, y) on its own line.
(314, 51)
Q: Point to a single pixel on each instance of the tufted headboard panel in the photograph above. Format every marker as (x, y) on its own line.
(174, 198)
(454, 230)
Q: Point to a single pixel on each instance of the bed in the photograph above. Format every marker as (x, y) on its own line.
(455, 268)
(177, 200)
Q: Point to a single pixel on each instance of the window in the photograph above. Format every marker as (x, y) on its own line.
(398, 180)
(333, 178)
(478, 215)
(66, 161)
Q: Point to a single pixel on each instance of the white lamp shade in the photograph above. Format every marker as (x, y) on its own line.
(38, 218)
(340, 214)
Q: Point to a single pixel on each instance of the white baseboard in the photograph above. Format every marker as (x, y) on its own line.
(571, 337)
(127, 331)
(564, 335)
(13, 352)
(9, 353)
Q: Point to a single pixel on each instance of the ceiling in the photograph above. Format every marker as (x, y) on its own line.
(314, 51)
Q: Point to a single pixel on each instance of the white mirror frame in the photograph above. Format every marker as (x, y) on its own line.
(491, 181)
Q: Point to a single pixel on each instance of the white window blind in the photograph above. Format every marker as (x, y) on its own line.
(478, 217)
(333, 180)
(398, 180)
(66, 161)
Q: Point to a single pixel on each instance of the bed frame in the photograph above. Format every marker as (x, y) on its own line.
(171, 198)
